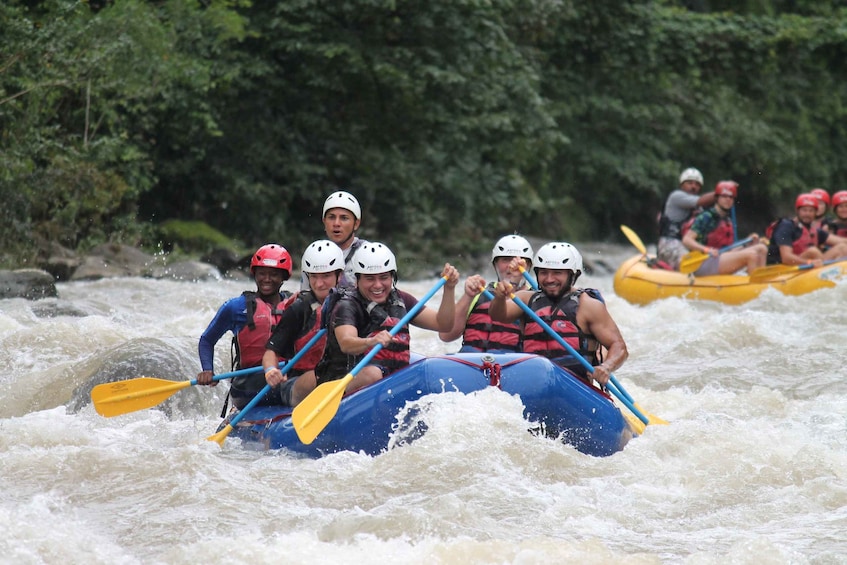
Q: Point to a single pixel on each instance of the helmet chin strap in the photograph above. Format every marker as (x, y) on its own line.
(351, 236)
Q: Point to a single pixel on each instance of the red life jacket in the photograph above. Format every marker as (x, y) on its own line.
(384, 317)
(561, 316)
(807, 239)
(311, 326)
(838, 227)
(722, 235)
(250, 341)
(484, 334)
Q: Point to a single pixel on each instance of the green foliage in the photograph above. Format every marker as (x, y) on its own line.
(82, 95)
(194, 237)
(453, 121)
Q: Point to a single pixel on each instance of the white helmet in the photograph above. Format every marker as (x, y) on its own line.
(512, 246)
(691, 174)
(322, 256)
(558, 255)
(374, 258)
(342, 199)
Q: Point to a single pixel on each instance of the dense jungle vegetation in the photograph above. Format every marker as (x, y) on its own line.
(453, 121)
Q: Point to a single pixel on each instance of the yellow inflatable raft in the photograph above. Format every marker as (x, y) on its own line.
(638, 283)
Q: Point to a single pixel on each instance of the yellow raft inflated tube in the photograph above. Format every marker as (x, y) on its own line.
(638, 283)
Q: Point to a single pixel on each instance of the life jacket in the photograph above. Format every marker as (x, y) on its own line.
(838, 227)
(384, 317)
(802, 241)
(808, 238)
(484, 334)
(675, 230)
(335, 363)
(720, 233)
(249, 343)
(561, 317)
(311, 325)
(248, 348)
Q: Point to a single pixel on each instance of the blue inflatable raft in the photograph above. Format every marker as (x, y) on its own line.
(559, 403)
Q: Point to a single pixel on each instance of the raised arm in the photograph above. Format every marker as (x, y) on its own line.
(442, 320)
(460, 316)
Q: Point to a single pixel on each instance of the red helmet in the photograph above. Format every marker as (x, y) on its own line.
(821, 195)
(839, 197)
(727, 187)
(273, 256)
(806, 200)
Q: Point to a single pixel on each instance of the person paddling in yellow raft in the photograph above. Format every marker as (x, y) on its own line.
(713, 229)
(578, 315)
(838, 225)
(797, 242)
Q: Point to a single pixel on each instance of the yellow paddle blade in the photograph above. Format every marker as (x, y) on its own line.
(654, 420)
(692, 261)
(221, 435)
(122, 397)
(771, 271)
(634, 239)
(637, 425)
(313, 414)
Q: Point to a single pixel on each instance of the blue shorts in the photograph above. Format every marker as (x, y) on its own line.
(285, 390)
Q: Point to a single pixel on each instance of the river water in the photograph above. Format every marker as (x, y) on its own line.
(751, 469)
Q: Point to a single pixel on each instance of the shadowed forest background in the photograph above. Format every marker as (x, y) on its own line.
(453, 121)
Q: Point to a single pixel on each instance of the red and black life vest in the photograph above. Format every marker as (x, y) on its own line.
(249, 343)
(807, 237)
(838, 227)
(561, 317)
(484, 334)
(311, 326)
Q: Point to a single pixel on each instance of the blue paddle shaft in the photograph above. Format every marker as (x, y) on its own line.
(623, 397)
(410, 315)
(738, 243)
(285, 368)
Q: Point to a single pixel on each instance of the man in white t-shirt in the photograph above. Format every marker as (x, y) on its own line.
(342, 216)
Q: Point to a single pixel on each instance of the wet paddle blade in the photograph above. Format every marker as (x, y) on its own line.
(122, 397)
(221, 435)
(634, 239)
(313, 414)
(654, 420)
(637, 425)
(692, 261)
(771, 271)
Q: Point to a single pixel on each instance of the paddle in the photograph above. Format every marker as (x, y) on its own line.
(692, 261)
(634, 239)
(771, 271)
(221, 435)
(313, 414)
(612, 385)
(123, 397)
(532, 282)
(529, 279)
